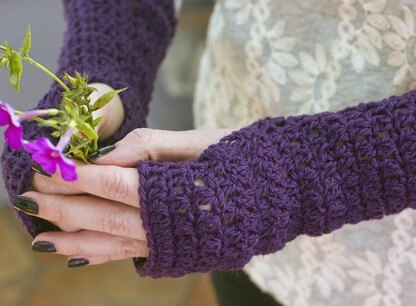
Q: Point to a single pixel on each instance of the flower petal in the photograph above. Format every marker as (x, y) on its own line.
(394, 41)
(373, 36)
(378, 21)
(13, 117)
(4, 116)
(368, 52)
(308, 63)
(409, 19)
(400, 75)
(284, 43)
(40, 145)
(399, 26)
(14, 136)
(68, 169)
(374, 6)
(285, 59)
(48, 164)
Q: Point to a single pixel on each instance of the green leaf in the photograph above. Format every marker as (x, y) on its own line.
(53, 111)
(79, 146)
(56, 134)
(51, 122)
(4, 62)
(69, 106)
(9, 49)
(80, 155)
(104, 99)
(87, 130)
(16, 69)
(27, 42)
(70, 79)
(97, 121)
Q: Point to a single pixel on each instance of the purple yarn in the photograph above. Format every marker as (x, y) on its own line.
(262, 186)
(119, 43)
(256, 189)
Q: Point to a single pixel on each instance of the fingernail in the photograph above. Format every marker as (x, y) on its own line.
(77, 262)
(39, 169)
(26, 205)
(101, 152)
(43, 246)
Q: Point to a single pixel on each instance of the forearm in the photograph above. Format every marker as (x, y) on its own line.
(121, 44)
(278, 178)
(118, 43)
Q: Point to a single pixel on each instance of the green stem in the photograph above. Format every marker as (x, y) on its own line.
(44, 69)
(56, 127)
(3, 48)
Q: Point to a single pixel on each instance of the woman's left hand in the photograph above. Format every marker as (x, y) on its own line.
(99, 213)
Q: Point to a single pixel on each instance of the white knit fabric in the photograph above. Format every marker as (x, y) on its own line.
(280, 58)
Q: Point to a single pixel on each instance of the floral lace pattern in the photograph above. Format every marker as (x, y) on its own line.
(281, 58)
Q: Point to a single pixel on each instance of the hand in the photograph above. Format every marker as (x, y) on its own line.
(112, 113)
(99, 213)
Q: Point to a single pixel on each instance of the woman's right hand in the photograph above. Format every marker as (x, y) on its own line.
(104, 224)
(113, 115)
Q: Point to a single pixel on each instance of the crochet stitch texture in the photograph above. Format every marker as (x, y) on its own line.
(262, 186)
(255, 190)
(120, 43)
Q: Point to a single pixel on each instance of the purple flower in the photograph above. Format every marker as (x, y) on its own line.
(49, 157)
(14, 131)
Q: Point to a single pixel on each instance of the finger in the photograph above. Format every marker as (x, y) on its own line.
(112, 113)
(77, 261)
(88, 243)
(47, 185)
(105, 181)
(66, 227)
(161, 145)
(89, 212)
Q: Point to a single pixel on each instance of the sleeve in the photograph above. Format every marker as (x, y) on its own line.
(265, 184)
(120, 43)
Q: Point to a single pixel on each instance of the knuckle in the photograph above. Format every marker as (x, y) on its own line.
(128, 249)
(143, 135)
(38, 183)
(116, 185)
(150, 141)
(78, 249)
(59, 213)
(114, 223)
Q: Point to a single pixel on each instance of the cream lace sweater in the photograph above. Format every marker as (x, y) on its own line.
(279, 58)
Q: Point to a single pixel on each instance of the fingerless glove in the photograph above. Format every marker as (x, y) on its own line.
(119, 43)
(265, 184)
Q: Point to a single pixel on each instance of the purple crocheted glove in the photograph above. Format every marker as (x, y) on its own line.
(119, 43)
(264, 185)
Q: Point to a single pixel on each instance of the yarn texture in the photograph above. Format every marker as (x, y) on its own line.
(259, 187)
(119, 43)
(276, 179)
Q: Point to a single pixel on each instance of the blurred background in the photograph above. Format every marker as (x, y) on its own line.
(28, 278)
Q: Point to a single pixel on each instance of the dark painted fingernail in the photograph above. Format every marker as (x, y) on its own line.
(101, 152)
(67, 148)
(141, 260)
(77, 262)
(39, 169)
(43, 246)
(26, 205)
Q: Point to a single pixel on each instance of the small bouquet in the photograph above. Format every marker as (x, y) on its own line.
(73, 122)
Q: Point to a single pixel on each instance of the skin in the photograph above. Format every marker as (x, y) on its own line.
(99, 214)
